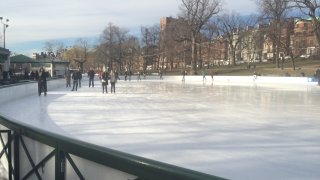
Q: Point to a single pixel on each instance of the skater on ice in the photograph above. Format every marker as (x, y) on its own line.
(42, 81)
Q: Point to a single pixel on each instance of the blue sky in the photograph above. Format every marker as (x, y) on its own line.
(33, 22)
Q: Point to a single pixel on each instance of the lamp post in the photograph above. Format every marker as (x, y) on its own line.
(5, 26)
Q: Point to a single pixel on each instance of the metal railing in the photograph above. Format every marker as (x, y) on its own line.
(142, 168)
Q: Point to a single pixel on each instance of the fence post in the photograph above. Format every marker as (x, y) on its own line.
(16, 155)
(60, 165)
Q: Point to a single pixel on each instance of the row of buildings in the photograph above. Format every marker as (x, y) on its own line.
(254, 44)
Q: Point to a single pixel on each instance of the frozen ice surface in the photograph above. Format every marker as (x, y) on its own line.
(233, 131)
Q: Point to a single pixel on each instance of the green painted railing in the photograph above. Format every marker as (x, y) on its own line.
(143, 168)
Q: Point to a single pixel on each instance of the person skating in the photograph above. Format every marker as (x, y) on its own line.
(91, 77)
(125, 75)
(104, 81)
(139, 76)
(68, 78)
(183, 75)
(113, 81)
(79, 78)
(160, 74)
(42, 82)
(318, 75)
(204, 75)
(212, 74)
(75, 78)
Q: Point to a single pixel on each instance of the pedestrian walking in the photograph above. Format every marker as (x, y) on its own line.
(139, 76)
(113, 81)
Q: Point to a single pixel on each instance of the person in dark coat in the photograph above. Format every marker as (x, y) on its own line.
(125, 75)
(79, 78)
(104, 81)
(42, 82)
(32, 75)
(75, 78)
(26, 75)
(68, 78)
(91, 77)
(318, 75)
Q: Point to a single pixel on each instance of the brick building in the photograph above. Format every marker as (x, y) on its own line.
(175, 51)
(304, 40)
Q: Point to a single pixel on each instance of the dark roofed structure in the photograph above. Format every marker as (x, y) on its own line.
(4, 54)
(21, 59)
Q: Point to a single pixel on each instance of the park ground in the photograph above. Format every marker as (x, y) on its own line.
(303, 67)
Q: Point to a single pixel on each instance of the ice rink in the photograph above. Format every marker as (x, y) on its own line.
(244, 131)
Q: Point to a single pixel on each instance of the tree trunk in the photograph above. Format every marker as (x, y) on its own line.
(233, 55)
(193, 55)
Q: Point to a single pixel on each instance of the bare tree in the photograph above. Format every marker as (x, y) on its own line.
(131, 51)
(81, 49)
(54, 49)
(150, 45)
(234, 28)
(275, 11)
(111, 46)
(286, 44)
(197, 13)
(210, 32)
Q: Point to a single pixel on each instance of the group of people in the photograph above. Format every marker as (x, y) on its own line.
(105, 77)
(76, 77)
(184, 73)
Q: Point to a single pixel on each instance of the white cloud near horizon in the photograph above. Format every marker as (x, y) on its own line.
(36, 20)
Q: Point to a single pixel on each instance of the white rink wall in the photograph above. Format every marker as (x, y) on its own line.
(233, 79)
(18, 91)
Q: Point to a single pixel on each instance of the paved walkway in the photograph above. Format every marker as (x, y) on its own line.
(236, 132)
